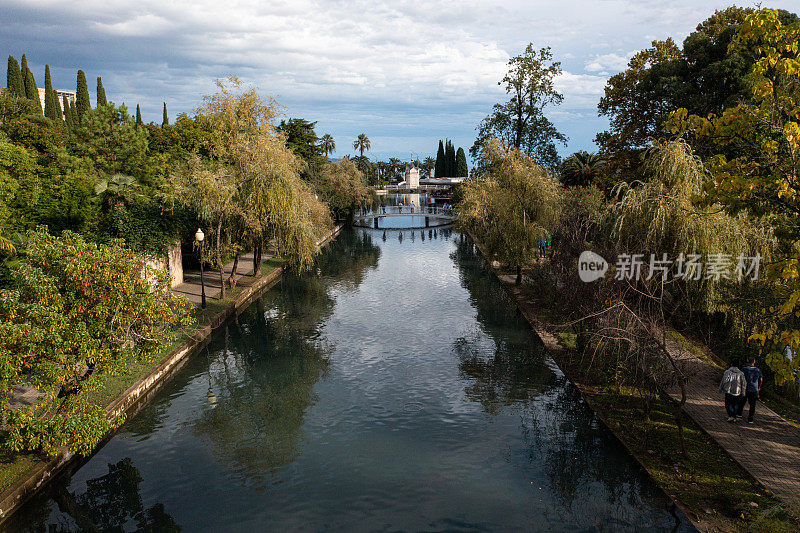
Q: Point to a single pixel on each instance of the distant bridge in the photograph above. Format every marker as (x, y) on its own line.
(434, 216)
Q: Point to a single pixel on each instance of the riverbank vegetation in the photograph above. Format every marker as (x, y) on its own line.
(706, 221)
(688, 213)
(89, 195)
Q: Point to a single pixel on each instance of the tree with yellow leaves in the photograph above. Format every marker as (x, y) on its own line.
(762, 175)
(252, 182)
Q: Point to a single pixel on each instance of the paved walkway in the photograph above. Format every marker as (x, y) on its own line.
(244, 278)
(769, 449)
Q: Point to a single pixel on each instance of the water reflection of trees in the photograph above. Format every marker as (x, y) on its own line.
(265, 366)
(584, 463)
(510, 368)
(112, 502)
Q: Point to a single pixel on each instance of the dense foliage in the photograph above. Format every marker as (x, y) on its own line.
(514, 206)
(73, 313)
(520, 122)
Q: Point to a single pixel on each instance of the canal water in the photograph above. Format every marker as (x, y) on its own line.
(393, 387)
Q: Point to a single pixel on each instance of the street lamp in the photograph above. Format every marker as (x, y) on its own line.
(199, 236)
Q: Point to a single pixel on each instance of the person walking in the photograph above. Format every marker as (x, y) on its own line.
(733, 384)
(755, 379)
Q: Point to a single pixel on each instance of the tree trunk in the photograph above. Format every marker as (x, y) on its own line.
(679, 418)
(219, 260)
(232, 277)
(257, 257)
(519, 276)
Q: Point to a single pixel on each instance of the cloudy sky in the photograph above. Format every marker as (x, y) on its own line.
(406, 73)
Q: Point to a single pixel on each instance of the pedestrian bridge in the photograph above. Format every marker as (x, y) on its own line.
(434, 216)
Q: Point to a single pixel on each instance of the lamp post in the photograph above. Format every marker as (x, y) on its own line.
(199, 236)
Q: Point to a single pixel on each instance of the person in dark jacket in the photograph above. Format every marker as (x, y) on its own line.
(755, 379)
(733, 384)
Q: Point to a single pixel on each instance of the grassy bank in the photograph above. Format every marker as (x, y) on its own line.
(707, 484)
(13, 466)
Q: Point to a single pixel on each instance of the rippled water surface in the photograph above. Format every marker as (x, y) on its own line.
(393, 388)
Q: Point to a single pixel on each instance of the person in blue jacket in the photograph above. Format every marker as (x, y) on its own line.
(755, 379)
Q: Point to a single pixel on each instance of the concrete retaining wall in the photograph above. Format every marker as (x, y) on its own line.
(172, 262)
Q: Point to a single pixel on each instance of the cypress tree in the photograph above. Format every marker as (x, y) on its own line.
(462, 171)
(31, 91)
(49, 95)
(67, 113)
(14, 78)
(101, 93)
(82, 102)
(438, 169)
(138, 116)
(450, 160)
(57, 108)
(73, 113)
(23, 69)
(165, 122)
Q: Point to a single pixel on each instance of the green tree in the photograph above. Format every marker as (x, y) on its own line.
(439, 168)
(107, 138)
(520, 122)
(757, 168)
(67, 112)
(138, 116)
(101, 93)
(581, 169)
(705, 76)
(86, 311)
(252, 185)
(73, 113)
(31, 90)
(327, 145)
(660, 214)
(20, 188)
(450, 159)
(635, 109)
(462, 170)
(14, 80)
(24, 73)
(512, 208)
(82, 102)
(342, 186)
(165, 118)
(302, 139)
(50, 97)
(57, 111)
(362, 144)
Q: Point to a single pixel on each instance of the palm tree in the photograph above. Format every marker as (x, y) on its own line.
(429, 163)
(327, 144)
(393, 164)
(362, 143)
(581, 168)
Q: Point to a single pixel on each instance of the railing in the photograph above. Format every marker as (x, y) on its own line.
(420, 187)
(446, 212)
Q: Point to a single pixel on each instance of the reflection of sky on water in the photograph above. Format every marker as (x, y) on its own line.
(397, 388)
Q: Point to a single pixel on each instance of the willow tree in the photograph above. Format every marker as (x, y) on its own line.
(211, 188)
(756, 169)
(661, 216)
(512, 208)
(258, 178)
(343, 187)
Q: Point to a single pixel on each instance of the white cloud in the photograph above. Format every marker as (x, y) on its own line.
(609, 62)
(398, 70)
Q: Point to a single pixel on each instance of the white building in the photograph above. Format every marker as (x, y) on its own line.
(412, 178)
(60, 95)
